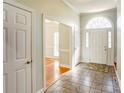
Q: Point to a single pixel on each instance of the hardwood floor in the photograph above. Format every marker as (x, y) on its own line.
(63, 69)
(53, 70)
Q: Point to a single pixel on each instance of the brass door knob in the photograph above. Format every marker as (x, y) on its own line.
(28, 62)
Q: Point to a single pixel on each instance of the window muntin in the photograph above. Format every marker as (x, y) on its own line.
(98, 22)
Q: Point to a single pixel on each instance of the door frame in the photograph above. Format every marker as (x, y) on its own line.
(33, 46)
(45, 16)
(44, 46)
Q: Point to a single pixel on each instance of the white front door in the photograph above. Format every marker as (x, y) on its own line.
(98, 46)
(65, 45)
(17, 50)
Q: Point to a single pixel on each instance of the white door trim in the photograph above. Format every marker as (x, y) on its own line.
(45, 16)
(44, 45)
(18, 5)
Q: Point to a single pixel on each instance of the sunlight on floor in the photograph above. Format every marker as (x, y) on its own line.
(53, 70)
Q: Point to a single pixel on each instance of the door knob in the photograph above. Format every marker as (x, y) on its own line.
(28, 62)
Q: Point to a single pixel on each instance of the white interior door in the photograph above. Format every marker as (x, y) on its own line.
(98, 46)
(17, 50)
(65, 45)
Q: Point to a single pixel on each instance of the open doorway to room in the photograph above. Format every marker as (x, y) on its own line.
(53, 56)
(51, 51)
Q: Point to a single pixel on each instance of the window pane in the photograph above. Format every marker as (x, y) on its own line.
(109, 40)
(56, 44)
(87, 39)
(98, 22)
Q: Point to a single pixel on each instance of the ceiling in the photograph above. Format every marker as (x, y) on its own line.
(88, 6)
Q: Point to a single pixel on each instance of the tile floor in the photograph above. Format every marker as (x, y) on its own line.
(82, 80)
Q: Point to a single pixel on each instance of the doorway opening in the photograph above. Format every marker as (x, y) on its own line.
(52, 55)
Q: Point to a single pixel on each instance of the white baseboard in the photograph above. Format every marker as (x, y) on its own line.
(119, 81)
(65, 65)
(54, 57)
(40, 91)
(109, 64)
(86, 61)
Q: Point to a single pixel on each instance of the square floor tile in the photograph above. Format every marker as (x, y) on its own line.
(117, 91)
(83, 89)
(108, 89)
(97, 85)
(108, 82)
(92, 90)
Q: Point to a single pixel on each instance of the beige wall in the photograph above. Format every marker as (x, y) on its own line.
(119, 40)
(56, 10)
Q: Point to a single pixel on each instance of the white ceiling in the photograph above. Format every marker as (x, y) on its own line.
(87, 6)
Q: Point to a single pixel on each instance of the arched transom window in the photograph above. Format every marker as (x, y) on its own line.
(98, 22)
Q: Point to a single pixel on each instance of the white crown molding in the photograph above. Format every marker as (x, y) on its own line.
(69, 5)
